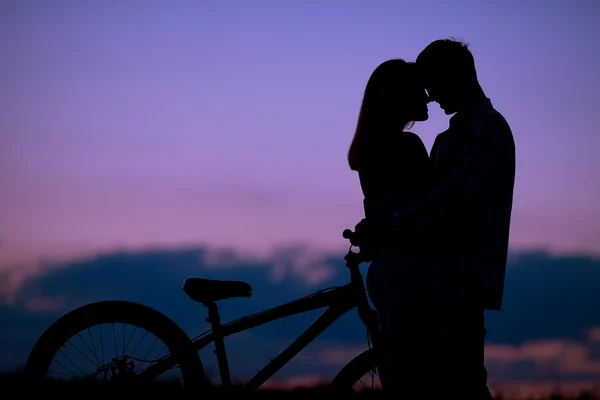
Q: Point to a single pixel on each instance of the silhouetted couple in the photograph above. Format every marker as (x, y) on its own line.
(438, 224)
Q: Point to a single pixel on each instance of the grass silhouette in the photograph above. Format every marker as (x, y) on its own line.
(14, 383)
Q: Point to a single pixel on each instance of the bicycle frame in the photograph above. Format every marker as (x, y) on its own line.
(338, 300)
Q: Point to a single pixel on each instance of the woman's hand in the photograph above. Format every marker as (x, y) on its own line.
(365, 234)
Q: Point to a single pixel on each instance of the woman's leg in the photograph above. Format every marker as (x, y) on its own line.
(375, 281)
(414, 326)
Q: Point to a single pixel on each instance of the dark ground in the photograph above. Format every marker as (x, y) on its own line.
(14, 386)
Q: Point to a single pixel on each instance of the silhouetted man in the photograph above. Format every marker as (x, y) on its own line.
(469, 208)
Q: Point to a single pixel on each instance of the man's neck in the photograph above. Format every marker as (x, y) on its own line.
(471, 100)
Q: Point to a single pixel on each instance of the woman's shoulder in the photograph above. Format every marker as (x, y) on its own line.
(410, 136)
(409, 139)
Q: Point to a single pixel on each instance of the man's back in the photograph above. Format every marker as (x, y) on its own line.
(476, 154)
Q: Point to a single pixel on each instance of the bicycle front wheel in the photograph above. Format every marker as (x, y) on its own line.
(359, 375)
(112, 341)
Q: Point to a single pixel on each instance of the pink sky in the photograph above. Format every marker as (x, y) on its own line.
(227, 123)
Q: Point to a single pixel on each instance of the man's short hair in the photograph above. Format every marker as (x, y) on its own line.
(451, 55)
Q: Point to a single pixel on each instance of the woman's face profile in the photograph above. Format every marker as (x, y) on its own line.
(415, 103)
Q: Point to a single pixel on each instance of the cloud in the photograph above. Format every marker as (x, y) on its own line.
(548, 328)
(594, 334)
(298, 381)
(565, 359)
(539, 359)
(547, 297)
(300, 262)
(154, 277)
(45, 303)
(340, 356)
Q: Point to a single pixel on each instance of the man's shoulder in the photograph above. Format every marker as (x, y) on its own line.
(491, 122)
(491, 116)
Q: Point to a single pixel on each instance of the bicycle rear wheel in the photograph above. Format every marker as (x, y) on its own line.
(77, 327)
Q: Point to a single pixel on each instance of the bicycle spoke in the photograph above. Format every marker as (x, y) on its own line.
(90, 349)
(129, 341)
(93, 344)
(102, 344)
(149, 350)
(123, 341)
(67, 369)
(372, 378)
(158, 357)
(114, 338)
(136, 347)
(71, 361)
(82, 353)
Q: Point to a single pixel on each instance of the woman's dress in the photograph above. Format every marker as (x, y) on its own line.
(404, 282)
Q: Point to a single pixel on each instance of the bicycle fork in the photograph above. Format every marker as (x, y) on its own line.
(368, 316)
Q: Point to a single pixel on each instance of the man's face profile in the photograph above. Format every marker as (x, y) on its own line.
(440, 89)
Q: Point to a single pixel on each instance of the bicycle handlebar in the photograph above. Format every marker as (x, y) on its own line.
(364, 255)
(351, 236)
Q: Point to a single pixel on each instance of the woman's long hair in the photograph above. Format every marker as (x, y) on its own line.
(382, 107)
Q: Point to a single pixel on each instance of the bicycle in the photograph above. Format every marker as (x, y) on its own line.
(184, 352)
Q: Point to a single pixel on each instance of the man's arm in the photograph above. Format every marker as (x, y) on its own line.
(484, 155)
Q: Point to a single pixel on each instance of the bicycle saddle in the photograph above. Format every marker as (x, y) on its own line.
(203, 290)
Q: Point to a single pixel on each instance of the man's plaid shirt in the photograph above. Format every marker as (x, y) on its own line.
(471, 202)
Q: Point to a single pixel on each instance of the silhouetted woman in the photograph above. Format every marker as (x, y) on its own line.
(404, 280)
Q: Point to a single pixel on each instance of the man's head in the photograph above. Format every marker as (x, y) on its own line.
(448, 72)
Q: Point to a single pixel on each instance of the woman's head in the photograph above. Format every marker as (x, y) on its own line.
(394, 98)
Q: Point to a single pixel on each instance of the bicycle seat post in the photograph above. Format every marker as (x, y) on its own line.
(215, 321)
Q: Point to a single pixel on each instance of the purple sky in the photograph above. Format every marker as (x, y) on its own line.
(227, 123)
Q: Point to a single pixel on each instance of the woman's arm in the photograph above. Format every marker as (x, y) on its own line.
(405, 173)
